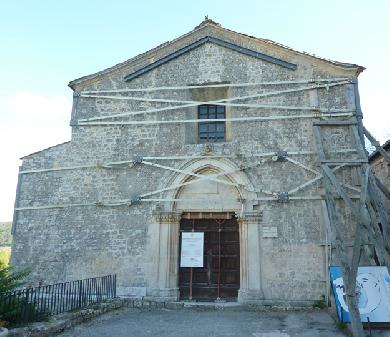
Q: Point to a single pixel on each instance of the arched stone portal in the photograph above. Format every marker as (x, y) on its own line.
(226, 189)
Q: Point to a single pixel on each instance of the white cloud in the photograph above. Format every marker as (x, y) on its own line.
(29, 122)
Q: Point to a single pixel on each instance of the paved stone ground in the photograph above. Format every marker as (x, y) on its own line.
(209, 323)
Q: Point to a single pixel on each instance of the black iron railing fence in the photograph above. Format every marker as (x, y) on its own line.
(32, 303)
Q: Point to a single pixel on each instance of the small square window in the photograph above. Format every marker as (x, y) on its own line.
(211, 131)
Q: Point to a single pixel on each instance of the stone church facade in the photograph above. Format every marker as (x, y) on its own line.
(119, 195)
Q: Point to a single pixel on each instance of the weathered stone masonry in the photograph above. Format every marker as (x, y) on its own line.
(140, 242)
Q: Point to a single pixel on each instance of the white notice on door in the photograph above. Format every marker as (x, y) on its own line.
(192, 249)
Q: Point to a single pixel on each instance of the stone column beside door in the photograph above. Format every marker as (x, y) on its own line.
(250, 258)
(167, 247)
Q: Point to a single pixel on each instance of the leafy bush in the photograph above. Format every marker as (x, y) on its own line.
(10, 280)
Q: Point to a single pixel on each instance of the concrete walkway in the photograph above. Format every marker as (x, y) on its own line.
(208, 323)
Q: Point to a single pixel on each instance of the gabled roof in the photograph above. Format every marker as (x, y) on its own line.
(207, 23)
(216, 41)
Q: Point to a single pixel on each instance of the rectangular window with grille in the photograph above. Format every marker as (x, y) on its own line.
(214, 131)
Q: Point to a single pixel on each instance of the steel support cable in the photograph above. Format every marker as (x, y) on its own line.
(302, 166)
(234, 119)
(318, 80)
(204, 177)
(130, 202)
(195, 103)
(211, 177)
(109, 165)
(237, 105)
(139, 198)
(318, 177)
(311, 181)
(143, 197)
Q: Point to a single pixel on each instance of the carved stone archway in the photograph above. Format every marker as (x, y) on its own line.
(165, 245)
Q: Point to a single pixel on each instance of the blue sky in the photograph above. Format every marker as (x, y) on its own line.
(45, 44)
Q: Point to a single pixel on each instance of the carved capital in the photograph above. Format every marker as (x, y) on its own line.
(250, 217)
(167, 217)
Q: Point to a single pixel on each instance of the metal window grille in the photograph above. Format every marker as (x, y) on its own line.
(211, 132)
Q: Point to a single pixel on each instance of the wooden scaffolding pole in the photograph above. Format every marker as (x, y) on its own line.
(349, 268)
(369, 237)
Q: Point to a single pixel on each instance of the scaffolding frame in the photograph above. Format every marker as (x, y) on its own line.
(372, 228)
